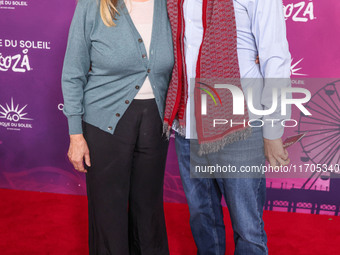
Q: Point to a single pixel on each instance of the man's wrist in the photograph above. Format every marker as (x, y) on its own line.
(272, 132)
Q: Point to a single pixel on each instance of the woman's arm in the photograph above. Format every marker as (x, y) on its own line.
(74, 78)
(76, 67)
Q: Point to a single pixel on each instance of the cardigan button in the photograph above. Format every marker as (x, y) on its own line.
(127, 101)
(137, 87)
(109, 128)
(149, 70)
(140, 40)
(143, 56)
(117, 114)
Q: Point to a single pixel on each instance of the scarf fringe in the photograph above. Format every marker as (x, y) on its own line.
(180, 129)
(175, 126)
(211, 147)
(166, 130)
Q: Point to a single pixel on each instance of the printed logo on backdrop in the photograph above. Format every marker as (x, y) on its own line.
(14, 116)
(12, 5)
(296, 70)
(60, 106)
(302, 11)
(19, 62)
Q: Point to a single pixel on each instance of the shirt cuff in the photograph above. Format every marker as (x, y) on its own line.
(75, 125)
(273, 131)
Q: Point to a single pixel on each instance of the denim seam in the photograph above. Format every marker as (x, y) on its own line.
(259, 215)
(214, 219)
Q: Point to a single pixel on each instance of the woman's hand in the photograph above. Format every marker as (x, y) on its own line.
(78, 151)
(275, 153)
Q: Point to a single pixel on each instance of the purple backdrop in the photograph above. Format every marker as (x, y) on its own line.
(33, 130)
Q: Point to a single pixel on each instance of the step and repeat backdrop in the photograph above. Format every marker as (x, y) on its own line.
(33, 130)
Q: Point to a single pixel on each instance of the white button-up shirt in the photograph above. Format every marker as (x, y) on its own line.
(261, 31)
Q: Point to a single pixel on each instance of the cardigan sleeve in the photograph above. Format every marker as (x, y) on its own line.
(76, 67)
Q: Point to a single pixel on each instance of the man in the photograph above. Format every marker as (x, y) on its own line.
(218, 39)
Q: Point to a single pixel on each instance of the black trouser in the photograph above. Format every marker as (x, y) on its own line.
(125, 184)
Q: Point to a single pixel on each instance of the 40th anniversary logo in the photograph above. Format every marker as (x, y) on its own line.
(13, 117)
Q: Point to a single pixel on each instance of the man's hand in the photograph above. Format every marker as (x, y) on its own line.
(275, 153)
(77, 151)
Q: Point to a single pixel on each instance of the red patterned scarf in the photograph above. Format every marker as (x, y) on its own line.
(217, 62)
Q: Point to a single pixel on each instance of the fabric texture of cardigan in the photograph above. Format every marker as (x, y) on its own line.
(118, 64)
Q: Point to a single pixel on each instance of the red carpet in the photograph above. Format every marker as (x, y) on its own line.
(36, 223)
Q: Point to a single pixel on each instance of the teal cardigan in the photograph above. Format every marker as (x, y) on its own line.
(114, 56)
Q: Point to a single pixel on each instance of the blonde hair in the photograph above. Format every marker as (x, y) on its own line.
(108, 11)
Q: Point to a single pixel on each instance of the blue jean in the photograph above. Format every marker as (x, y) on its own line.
(245, 197)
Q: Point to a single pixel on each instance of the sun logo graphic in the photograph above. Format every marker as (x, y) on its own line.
(294, 69)
(13, 113)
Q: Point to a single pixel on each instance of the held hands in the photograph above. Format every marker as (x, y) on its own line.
(275, 153)
(78, 151)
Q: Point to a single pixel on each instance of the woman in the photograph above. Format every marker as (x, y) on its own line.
(115, 77)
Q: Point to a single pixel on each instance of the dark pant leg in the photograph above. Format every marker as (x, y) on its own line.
(146, 215)
(108, 186)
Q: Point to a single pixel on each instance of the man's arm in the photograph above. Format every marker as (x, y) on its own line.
(269, 30)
